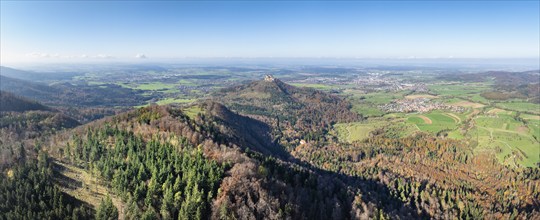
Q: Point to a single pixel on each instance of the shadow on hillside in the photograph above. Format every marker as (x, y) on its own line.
(255, 134)
(68, 183)
(372, 191)
(63, 180)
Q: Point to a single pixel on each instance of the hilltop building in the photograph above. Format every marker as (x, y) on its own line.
(269, 78)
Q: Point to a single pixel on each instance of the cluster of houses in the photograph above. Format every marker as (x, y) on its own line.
(421, 105)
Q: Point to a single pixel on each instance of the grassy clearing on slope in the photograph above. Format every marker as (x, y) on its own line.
(512, 140)
(367, 110)
(80, 184)
(192, 111)
(174, 100)
(382, 97)
(350, 132)
(394, 126)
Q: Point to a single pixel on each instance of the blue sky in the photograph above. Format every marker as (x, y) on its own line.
(32, 31)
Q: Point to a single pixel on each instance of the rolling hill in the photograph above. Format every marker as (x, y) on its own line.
(240, 155)
(253, 182)
(67, 95)
(294, 113)
(35, 76)
(10, 102)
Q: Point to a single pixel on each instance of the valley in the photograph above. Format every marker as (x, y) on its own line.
(270, 110)
(288, 143)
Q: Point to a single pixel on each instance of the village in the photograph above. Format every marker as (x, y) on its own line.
(420, 105)
(369, 82)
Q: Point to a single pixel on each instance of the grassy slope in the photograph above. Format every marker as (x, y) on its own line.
(173, 100)
(350, 132)
(83, 186)
(512, 140)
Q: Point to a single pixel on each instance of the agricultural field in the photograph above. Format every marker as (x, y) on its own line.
(379, 98)
(368, 104)
(512, 140)
(530, 117)
(520, 106)
(417, 96)
(534, 127)
(462, 103)
(436, 121)
(459, 90)
(154, 86)
(315, 86)
(174, 100)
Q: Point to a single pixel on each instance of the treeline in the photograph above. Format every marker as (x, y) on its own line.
(27, 191)
(34, 123)
(155, 179)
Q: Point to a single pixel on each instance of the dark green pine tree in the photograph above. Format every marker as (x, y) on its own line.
(107, 210)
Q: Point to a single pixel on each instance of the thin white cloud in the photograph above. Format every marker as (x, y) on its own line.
(140, 56)
(103, 56)
(38, 55)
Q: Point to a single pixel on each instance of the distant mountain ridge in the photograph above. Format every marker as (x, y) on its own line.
(34, 76)
(33, 90)
(66, 94)
(11, 102)
(501, 77)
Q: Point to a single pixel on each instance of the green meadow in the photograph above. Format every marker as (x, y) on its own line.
(512, 140)
(174, 100)
(521, 106)
(356, 131)
(435, 122)
(315, 86)
(192, 111)
(466, 90)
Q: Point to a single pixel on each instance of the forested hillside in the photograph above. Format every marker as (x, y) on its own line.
(420, 175)
(193, 164)
(66, 94)
(206, 161)
(11, 102)
(24, 122)
(27, 191)
(294, 113)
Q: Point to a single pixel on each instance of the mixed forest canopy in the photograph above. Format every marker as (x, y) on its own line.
(269, 149)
